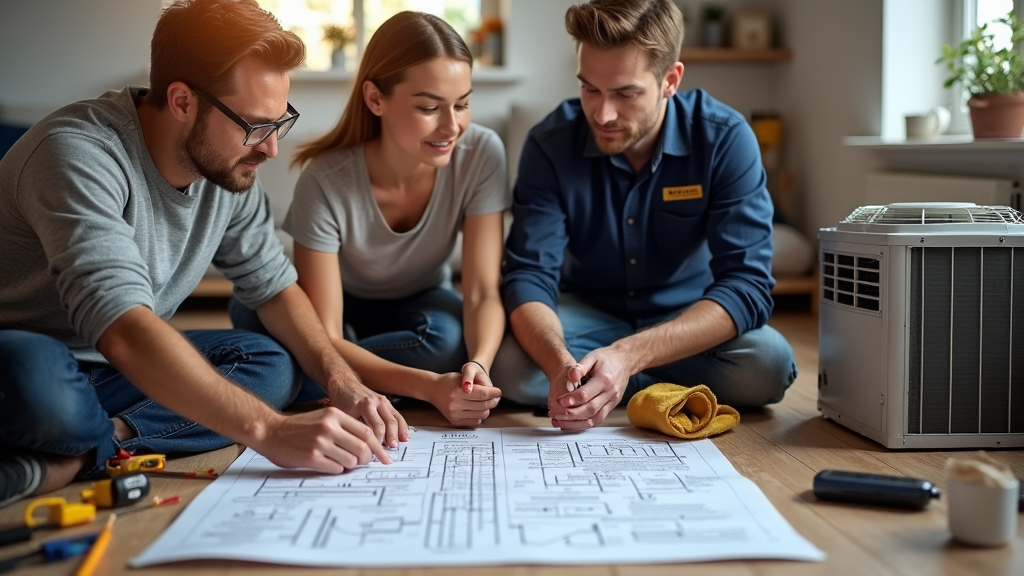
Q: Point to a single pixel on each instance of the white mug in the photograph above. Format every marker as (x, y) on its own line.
(930, 125)
(982, 515)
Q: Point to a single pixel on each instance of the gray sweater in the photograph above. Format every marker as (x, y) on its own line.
(90, 229)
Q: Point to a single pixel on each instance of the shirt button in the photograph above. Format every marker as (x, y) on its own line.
(631, 293)
(630, 221)
(632, 261)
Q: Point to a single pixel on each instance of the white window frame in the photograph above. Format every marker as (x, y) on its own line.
(964, 19)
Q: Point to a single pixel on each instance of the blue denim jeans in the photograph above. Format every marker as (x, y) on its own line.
(52, 403)
(421, 331)
(752, 369)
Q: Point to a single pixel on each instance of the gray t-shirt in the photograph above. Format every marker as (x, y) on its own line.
(90, 229)
(334, 211)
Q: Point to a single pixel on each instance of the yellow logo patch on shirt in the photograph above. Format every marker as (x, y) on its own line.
(673, 193)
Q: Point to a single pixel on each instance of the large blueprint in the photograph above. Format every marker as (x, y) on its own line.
(490, 496)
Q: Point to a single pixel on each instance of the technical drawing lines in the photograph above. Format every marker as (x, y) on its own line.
(464, 511)
(640, 454)
(587, 536)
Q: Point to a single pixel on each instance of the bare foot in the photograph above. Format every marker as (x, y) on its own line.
(61, 470)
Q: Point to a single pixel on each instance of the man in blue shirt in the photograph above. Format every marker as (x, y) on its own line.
(641, 246)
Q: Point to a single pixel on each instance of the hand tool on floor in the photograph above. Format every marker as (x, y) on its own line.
(52, 551)
(119, 491)
(59, 513)
(125, 463)
(98, 549)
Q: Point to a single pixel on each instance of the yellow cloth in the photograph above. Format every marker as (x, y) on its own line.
(690, 413)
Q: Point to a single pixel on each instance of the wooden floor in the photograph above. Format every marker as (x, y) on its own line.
(780, 449)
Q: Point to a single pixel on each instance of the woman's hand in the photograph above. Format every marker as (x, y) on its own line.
(465, 399)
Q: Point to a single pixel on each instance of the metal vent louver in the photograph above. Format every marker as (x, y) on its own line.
(952, 216)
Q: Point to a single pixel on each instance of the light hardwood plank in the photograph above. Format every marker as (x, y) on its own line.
(779, 448)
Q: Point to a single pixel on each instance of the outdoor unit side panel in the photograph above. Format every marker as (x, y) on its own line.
(965, 338)
(995, 347)
(914, 310)
(935, 339)
(852, 357)
(851, 363)
(1017, 345)
(894, 315)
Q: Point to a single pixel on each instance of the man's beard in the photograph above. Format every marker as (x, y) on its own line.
(631, 135)
(197, 153)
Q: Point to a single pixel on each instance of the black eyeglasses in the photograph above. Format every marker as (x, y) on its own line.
(254, 133)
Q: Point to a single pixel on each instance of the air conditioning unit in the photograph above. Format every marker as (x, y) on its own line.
(921, 325)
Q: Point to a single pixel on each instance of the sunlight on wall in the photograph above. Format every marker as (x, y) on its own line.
(307, 20)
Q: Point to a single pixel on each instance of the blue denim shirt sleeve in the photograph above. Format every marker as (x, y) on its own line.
(739, 230)
(535, 249)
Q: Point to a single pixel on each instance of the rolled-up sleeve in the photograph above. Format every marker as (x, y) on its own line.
(740, 230)
(536, 244)
(251, 256)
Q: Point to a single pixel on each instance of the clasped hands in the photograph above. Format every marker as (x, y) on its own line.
(581, 395)
(466, 398)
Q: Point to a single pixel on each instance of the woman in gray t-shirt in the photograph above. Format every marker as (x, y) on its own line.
(376, 213)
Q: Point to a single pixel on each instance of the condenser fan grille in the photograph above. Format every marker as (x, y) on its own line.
(933, 213)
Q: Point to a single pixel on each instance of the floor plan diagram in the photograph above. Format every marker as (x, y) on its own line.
(490, 496)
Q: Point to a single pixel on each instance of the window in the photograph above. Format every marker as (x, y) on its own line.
(974, 14)
(987, 12)
(307, 19)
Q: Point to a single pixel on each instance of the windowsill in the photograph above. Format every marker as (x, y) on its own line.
(494, 75)
(950, 143)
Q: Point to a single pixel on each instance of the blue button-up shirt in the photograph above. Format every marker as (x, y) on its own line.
(695, 223)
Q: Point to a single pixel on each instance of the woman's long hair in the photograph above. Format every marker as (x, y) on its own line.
(403, 41)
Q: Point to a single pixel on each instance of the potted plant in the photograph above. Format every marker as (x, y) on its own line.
(994, 78)
(713, 21)
(338, 37)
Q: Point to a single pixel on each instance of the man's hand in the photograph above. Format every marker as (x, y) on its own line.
(568, 378)
(375, 410)
(328, 441)
(604, 376)
(462, 404)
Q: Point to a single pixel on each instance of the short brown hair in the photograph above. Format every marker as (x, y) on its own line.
(199, 42)
(653, 25)
(402, 41)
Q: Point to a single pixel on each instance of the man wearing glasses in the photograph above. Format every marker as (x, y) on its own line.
(110, 211)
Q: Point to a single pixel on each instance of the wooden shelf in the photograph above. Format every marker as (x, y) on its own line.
(734, 55)
(944, 143)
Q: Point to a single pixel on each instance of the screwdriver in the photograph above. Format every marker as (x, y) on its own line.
(52, 551)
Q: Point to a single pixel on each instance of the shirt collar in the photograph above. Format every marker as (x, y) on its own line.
(671, 141)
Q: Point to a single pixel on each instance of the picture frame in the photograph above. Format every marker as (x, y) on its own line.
(750, 30)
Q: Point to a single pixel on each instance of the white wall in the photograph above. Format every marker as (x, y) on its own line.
(831, 88)
(913, 33)
(53, 52)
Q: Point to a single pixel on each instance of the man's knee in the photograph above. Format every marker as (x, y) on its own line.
(266, 368)
(751, 370)
(768, 368)
(519, 379)
(39, 397)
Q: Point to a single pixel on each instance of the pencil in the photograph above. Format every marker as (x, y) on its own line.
(98, 549)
